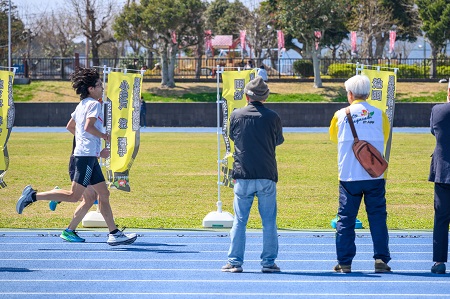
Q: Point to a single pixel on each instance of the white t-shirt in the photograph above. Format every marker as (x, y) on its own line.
(87, 145)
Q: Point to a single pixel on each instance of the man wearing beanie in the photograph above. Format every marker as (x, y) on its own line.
(256, 131)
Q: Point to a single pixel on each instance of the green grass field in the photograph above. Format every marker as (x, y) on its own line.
(189, 92)
(174, 182)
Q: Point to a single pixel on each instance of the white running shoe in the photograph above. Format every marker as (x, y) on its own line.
(120, 238)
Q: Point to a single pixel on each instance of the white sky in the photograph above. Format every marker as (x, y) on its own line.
(48, 5)
(29, 10)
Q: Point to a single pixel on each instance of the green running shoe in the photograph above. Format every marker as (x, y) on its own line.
(71, 236)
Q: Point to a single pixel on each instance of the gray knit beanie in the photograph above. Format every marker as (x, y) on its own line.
(257, 89)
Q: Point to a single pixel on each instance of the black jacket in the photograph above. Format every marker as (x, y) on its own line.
(256, 131)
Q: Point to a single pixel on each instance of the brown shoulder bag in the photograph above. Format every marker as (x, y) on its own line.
(369, 157)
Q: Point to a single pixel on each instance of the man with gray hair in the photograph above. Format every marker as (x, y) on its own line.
(372, 125)
(256, 131)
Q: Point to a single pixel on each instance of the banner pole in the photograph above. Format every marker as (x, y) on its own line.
(389, 143)
(219, 201)
(218, 218)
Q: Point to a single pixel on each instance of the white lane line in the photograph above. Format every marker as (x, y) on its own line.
(285, 252)
(193, 260)
(358, 281)
(218, 270)
(201, 261)
(237, 295)
(162, 244)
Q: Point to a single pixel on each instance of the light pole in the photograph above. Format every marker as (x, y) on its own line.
(424, 57)
(424, 47)
(9, 36)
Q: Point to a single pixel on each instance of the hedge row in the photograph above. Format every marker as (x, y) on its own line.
(304, 68)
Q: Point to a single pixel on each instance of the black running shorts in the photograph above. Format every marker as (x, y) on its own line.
(71, 167)
(87, 171)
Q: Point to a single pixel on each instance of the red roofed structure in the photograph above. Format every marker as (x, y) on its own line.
(222, 41)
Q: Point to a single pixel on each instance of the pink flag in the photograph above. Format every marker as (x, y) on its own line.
(392, 36)
(353, 41)
(174, 37)
(317, 35)
(242, 36)
(208, 40)
(280, 37)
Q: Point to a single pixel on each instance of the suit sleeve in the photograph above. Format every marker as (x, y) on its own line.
(431, 122)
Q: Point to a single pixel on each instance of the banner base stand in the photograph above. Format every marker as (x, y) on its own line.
(218, 220)
(94, 219)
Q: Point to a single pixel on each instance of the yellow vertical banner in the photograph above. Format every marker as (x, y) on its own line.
(7, 113)
(382, 95)
(232, 98)
(122, 122)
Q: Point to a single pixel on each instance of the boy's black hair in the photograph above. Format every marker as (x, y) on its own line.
(82, 79)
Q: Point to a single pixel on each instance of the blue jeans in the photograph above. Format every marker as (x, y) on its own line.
(244, 193)
(350, 196)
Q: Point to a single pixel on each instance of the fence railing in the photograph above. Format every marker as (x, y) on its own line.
(191, 68)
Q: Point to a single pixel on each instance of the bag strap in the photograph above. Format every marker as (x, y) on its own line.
(350, 122)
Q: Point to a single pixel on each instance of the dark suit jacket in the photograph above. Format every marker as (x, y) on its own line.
(440, 128)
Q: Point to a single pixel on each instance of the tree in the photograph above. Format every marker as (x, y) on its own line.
(94, 17)
(369, 18)
(17, 29)
(435, 15)
(129, 26)
(57, 34)
(169, 24)
(375, 18)
(303, 18)
(261, 32)
(226, 18)
(171, 19)
(406, 23)
(194, 32)
(333, 36)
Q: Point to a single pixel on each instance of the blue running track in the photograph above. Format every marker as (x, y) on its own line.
(186, 264)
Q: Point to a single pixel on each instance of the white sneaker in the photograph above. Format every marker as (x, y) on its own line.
(120, 238)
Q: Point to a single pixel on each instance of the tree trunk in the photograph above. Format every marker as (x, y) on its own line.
(172, 62)
(316, 65)
(95, 58)
(380, 42)
(164, 67)
(150, 59)
(198, 65)
(434, 53)
(369, 46)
